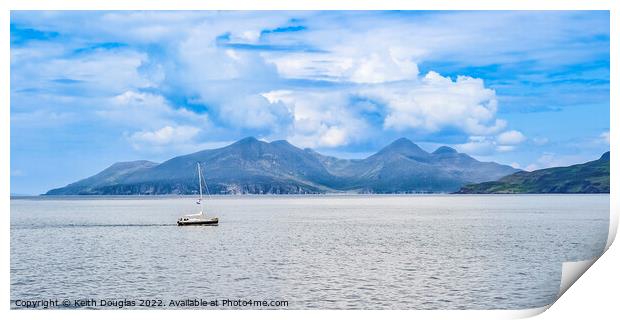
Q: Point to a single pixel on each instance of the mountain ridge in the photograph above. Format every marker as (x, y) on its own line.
(254, 166)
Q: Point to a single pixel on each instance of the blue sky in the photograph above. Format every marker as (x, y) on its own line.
(88, 88)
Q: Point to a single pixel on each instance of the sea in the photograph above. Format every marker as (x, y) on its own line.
(301, 252)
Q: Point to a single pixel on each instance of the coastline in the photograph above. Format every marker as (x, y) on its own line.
(290, 195)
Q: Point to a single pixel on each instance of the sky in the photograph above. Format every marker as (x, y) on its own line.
(89, 88)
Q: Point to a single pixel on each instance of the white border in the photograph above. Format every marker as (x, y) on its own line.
(595, 290)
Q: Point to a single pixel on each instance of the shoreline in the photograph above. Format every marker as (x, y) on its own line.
(292, 195)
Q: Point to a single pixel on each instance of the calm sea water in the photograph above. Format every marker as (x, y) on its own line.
(326, 252)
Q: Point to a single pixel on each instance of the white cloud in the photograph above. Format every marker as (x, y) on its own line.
(434, 102)
(255, 112)
(501, 148)
(164, 136)
(510, 138)
(382, 67)
(333, 137)
(152, 125)
(486, 145)
(329, 118)
(477, 145)
(94, 73)
(349, 64)
(378, 62)
(320, 119)
(146, 111)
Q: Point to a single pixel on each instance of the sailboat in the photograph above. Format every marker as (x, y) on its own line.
(198, 218)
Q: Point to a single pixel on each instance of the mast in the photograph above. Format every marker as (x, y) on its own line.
(200, 186)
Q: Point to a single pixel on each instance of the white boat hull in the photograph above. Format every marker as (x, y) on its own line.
(197, 221)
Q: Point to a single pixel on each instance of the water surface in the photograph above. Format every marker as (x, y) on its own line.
(326, 252)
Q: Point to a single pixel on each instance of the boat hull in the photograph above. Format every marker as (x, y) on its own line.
(210, 222)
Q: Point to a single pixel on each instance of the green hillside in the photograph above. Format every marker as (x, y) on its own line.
(589, 177)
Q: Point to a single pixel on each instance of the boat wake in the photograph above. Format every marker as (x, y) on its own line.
(90, 225)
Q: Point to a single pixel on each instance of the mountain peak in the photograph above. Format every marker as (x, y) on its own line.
(401, 141)
(281, 143)
(247, 141)
(445, 150)
(403, 146)
(605, 156)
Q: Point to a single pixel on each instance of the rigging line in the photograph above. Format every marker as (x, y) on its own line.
(206, 187)
(194, 177)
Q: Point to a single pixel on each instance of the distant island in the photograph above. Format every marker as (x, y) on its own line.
(251, 166)
(589, 177)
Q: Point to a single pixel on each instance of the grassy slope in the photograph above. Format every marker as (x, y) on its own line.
(590, 177)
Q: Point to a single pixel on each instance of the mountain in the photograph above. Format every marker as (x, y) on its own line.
(114, 174)
(253, 166)
(589, 177)
(403, 166)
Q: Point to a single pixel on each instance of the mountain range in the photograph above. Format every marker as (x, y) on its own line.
(257, 167)
(589, 177)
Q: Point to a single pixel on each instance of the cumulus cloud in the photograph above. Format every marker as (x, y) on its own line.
(320, 119)
(477, 145)
(427, 104)
(202, 57)
(434, 102)
(164, 136)
(274, 75)
(377, 67)
(351, 63)
(510, 138)
(486, 145)
(134, 109)
(255, 112)
(176, 139)
(333, 137)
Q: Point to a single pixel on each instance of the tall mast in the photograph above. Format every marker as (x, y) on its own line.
(200, 185)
